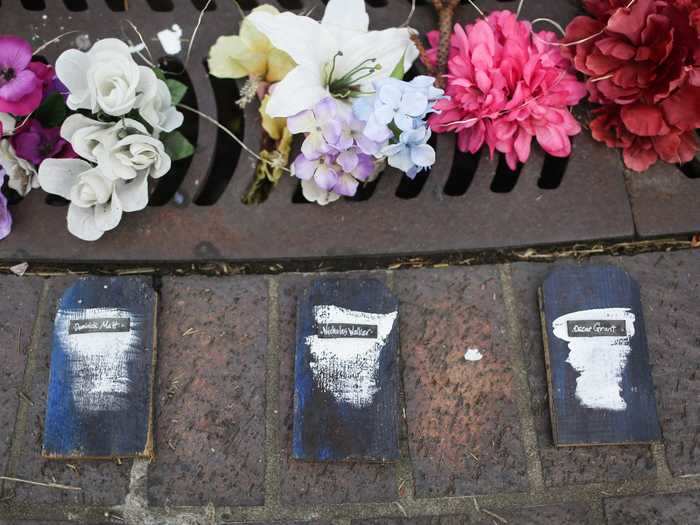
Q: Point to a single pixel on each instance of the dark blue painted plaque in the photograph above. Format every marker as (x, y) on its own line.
(100, 394)
(600, 384)
(346, 388)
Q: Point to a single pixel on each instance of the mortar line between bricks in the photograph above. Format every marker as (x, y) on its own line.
(405, 484)
(663, 471)
(272, 398)
(522, 389)
(428, 507)
(23, 405)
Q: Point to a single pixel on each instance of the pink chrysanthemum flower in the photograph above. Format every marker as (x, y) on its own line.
(507, 85)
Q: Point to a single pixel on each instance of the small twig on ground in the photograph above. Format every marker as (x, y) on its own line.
(26, 398)
(38, 483)
(403, 511)
(494, 516)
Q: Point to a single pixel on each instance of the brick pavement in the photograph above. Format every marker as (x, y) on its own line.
(476, 441)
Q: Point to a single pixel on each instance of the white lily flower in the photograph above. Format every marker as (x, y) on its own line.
(335, 57)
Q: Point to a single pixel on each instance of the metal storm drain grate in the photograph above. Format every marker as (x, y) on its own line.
(468, 202)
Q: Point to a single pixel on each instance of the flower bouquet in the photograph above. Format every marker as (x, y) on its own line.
(641, 61)
(341, 87)
(93, 129)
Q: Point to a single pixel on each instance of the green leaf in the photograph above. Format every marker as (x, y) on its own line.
(52, 111)
(399, 71)
(177, 145)
(160, 74)
(177, 89)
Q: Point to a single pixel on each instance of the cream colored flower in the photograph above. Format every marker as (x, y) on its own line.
(274, 127)
(249, 53)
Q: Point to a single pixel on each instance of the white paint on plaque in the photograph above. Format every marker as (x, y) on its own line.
(473, 354)
(97, 362)
(348, 367)
(171, 39)
(599, 341)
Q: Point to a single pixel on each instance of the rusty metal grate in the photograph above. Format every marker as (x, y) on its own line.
(468, 202)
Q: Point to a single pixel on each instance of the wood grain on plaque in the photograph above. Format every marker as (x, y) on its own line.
(100, 395)
(595, 344)
(346, 387)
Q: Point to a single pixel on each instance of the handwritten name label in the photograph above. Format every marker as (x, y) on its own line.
(92, 326)
(347, 330)
(608, 328)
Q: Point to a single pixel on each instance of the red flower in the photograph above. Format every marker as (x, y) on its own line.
(642, 61)
(644, 143)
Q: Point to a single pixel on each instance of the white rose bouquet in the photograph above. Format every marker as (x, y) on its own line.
(124, 132)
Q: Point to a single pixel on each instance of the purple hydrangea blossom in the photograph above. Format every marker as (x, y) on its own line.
(321, 125)
(336, 154)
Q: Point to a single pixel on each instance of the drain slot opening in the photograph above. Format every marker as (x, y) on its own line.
(226, 151)
(553, 171)
(167, 186)
(506, 178)
(462, 173)
(691, 169)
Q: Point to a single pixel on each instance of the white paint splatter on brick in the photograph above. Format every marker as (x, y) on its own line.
(473, 354)
(348, 368)
(98, 363)
(599, 360)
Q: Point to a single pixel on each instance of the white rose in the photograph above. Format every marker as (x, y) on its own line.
(105, 78)
(21, 173)
(122, 150)
(136, 154)
(97, 202)
(156, 107)
(85, 135)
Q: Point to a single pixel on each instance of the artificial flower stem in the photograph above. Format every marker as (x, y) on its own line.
(230, 134)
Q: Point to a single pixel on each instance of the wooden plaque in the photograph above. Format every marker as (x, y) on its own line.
(346, 387)
(595, 346)
(100, 395)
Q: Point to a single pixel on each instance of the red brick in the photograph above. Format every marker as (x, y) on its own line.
(211, 392)
(670, 288)
(301, 482)
(565, 514)
(463, 423)
(653, 509)
(102, 482)
(20, 300)
(564, 466)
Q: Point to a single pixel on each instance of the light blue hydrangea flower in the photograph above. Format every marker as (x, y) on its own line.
(412, 153)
